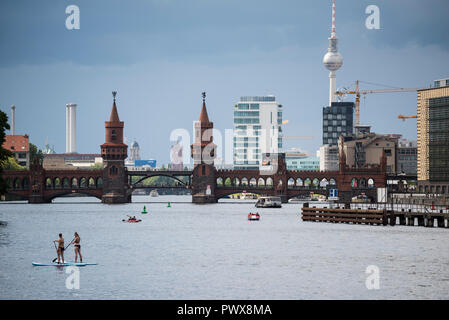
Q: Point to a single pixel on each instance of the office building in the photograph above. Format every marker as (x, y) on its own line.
(407, 157)
(433, 138)
(337, 120)
(297, 160)
(257, 130)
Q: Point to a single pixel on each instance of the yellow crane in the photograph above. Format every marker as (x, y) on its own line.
(407, 117)
(358, 92)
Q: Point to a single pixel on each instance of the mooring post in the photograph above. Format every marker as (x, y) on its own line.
(420, 221)
(385, 217)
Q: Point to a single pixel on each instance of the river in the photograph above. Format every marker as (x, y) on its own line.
(212, 251)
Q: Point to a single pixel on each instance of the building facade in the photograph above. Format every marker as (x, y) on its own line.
(67, 161)
(433, 138)
(134, 152)
(365, 148)
(407, 156)
(257, 130)
(297, 160)
(329, 155)
(337, 120)
(19, 145)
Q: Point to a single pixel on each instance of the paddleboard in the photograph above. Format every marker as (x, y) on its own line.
(85, 263)
(66, 264)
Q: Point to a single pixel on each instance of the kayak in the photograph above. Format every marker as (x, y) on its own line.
(65, 264)
(132, 221)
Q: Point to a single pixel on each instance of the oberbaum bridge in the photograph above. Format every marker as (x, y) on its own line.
(113, 184)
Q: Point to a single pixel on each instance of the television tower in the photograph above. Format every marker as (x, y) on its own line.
(333, 59)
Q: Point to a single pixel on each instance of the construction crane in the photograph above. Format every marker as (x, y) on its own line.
(358, 92)
(407, 117)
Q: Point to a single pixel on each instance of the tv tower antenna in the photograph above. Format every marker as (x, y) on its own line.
(333, 59)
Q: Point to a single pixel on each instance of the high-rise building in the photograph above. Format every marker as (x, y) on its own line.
(337, 121)
(433, 137)
(257, 130)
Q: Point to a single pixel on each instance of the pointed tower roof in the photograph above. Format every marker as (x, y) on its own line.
(114, 114)
(204, 118)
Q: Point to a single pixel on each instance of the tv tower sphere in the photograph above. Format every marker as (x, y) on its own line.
(333, 61)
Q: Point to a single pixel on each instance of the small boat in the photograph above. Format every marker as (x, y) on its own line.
(253, 217)
(132, 220)
(269, 202)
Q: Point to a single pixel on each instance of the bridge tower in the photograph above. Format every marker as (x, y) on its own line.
(114, 152)
(203, 152)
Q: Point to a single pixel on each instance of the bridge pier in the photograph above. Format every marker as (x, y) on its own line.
(38, 199)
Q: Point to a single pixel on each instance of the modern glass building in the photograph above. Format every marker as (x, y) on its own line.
(337, 120)
(257, 130)
(433, 138)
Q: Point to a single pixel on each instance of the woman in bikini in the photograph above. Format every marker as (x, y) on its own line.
(60, 248)
(77, 246)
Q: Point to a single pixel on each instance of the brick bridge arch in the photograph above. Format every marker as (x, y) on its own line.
(38, 185)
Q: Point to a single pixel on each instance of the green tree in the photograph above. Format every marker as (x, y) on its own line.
(97, 166)
(35, 153)
(11, 164)
(4, 154)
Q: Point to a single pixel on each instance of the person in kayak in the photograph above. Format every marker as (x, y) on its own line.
(77, 247)
(60, 249)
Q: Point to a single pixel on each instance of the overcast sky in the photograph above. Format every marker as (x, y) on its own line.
(161, 54)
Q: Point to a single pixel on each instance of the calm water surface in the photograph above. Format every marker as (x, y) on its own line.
(212, 252)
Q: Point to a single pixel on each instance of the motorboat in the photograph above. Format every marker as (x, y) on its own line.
(269, 202)
(253, 216)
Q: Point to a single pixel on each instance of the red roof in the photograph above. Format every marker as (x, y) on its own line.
(114, 114)
(17, 143)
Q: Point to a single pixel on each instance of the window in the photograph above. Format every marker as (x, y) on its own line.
(387, 152)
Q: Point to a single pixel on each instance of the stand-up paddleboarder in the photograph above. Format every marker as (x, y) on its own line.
(60, 249)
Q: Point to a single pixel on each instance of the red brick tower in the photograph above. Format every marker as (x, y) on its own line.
(203, 153)
(114, 152)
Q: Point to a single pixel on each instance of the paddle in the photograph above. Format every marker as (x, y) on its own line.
(64, 250)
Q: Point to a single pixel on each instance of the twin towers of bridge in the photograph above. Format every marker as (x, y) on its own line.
(114, 152)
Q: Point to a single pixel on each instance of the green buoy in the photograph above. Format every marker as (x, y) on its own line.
(144, 210)
(169, 205)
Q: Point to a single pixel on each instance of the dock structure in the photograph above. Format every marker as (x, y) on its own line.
(377, 216)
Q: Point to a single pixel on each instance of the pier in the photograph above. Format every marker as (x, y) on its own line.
(378, 214)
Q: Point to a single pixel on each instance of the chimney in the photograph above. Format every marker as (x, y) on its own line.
(70, 129)
(13, 119)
